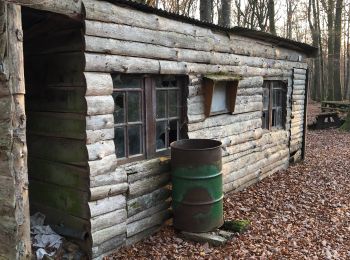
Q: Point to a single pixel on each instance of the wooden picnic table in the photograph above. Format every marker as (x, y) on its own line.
(339, 106)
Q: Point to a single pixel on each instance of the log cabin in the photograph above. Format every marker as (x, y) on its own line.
(93, 92)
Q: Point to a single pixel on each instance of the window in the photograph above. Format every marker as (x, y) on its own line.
(147, 115)
(274, 105)
(220, 94)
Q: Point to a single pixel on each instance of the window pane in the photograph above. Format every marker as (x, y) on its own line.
(134, 114)
(219, 102)
(135, 140)
(173, 132)
(119, 111)
(265, 119)
(119, 141)
(266, 98)
(161, 104)
(173, 103)
(123, 81)
(277, 97)
(161, 135)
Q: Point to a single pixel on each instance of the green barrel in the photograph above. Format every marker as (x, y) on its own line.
(197, 185)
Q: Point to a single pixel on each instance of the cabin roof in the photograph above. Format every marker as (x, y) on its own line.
(309, 50)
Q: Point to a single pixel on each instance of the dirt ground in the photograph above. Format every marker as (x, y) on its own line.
(300, 213)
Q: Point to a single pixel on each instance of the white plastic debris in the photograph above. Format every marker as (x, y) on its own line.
(44, 240)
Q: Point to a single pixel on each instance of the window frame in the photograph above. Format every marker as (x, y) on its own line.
(283, 86)
(149, 119)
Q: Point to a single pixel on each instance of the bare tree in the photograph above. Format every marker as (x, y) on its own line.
(271, 15)
(337, 51)
(206, 10)
(225, 15)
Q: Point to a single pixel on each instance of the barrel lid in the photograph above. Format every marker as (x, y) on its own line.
(195, 144)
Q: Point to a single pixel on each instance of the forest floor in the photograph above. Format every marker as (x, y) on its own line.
(300, 213)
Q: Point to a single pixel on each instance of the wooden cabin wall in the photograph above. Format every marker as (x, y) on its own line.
(14, 209)
(56, 112)
(119, 39)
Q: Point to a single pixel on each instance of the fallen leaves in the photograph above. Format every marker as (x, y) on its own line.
(300, 213)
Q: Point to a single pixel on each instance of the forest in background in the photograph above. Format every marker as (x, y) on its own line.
(322, 23)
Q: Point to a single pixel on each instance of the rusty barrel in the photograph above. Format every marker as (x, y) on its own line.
(197, 184)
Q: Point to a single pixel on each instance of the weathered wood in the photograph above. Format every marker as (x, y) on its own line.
(110, 178)
(102, 192)
(62, 150)
(107, 205)
(58, 173)
(98, 151)
(147, 201)
(71, 201)
(138, 226)
(108, 12)
(109, 245)
(98, 84)
(144, 186)
(105, 165)
(99, 122)
(65, 125)
(104, 235)
(70, 8)
(108, 220)
(94, 136)
(142, 235)
(162, 205)
(140, 43)
(115, 63)
(99, 105)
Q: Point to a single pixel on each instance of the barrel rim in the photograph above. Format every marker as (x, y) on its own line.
(215, 144)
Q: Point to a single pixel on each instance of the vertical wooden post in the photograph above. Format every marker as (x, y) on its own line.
(14, 213)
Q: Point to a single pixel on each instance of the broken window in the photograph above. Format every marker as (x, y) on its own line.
(147, 115)
(274, 105)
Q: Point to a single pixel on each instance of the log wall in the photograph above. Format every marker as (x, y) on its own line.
(14, 204)
(119, 39)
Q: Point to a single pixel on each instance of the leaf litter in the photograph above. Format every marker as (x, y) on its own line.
(299, 213)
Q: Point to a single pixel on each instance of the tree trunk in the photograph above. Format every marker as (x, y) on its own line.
(330, 20)
(337, 51)
(225, 13)
(206, 10)
(271, 14)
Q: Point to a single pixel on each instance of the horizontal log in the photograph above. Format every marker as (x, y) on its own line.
(101, 192)
(223, 131)
(55, 216)
(143, 224)
(300, 71)
(144, 44)
(142, 235)
(147, 201)
(107, 205)
(144, 169)
(105, 165)
(99, 105)
(71, 201)
(98, 84)
(59, 173)
(68, 8)
(162, 205)
(298, 87)
(108, 12)
(115, 63)
(112, 244)
(94, 136)
(108, 220)
(65, 125)
(98, 151)
(299, 76)
(103, 235)
(148, 185)
(99, 122)
(242, 138)
(111, 178)
(299, 97)
(299, 82)
(62, 150)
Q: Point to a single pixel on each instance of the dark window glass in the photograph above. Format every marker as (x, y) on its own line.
(132, 115)
(273, 105)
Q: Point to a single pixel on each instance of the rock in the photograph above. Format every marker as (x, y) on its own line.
(209, 238)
